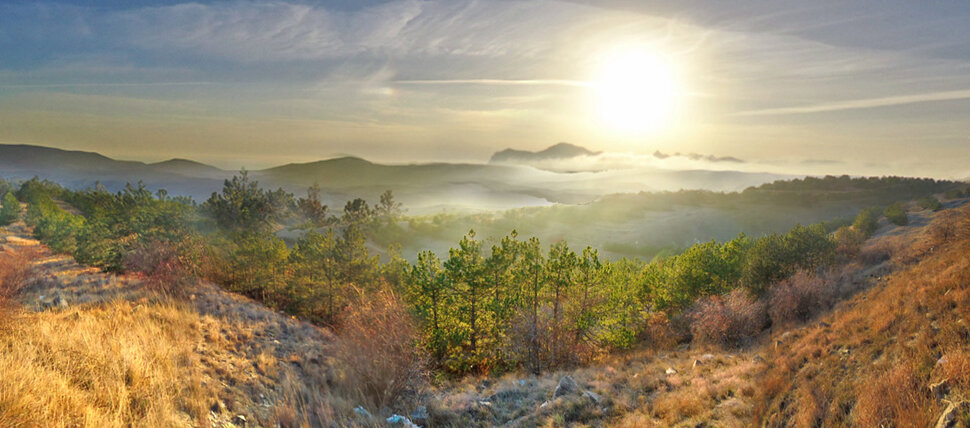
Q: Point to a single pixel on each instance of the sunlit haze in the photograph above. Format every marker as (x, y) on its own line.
(813, 88)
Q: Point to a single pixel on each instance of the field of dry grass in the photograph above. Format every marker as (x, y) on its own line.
(120, 364)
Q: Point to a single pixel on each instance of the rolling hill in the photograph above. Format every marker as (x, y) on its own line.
(423, 188)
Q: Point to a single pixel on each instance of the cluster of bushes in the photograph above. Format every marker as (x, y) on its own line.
(520, 306)
(228, 239)
(484, 308)
(109, 227)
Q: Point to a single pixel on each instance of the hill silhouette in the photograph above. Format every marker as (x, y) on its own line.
(556, 151)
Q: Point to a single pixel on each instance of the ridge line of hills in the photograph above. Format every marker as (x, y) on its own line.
(423, 187)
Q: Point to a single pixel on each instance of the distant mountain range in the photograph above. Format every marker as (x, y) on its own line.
(557, 151)
(423, 188)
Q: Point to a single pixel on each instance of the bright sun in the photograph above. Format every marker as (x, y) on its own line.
(637, 92)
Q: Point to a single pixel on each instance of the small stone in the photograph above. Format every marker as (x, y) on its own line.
(759, 359)
(567, 385)
(544, 404)
(360, 410)
(401, 420)
(594, 397)
(670, 371)
(239, 420)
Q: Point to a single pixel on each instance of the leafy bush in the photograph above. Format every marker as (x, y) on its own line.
(866, 222)
(10, 211)
(896, 214)
(929, 203)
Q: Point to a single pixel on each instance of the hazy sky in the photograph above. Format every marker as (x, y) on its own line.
(861, 87)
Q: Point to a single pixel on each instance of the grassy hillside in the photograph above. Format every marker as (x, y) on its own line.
(84, 348)
(896, 355)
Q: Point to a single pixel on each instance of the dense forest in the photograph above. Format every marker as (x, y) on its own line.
(488, 305)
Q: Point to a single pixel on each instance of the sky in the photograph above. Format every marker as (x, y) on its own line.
(861, 87)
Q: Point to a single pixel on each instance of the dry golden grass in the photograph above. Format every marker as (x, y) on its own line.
(874, 364)
(111, 366)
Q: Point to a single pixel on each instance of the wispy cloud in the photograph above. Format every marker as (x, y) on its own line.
(497, 82)
(862, 103)
(104, 84)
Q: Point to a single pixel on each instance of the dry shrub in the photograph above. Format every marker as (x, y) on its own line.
(877, 252)
(161, 266)
(15, 271)
(730, 319)
(943, 229)
(661, 332)
(848, 242)
(304, 403)
(798, 298)
(378, 349)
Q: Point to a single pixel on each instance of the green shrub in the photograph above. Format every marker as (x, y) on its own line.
(929, 203)
(10, 211)
(896, 214)
(866, 222)
(953, 194)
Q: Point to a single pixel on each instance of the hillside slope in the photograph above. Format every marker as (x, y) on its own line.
(89, 349)
(869, 361)
(83, 348)
(897, 354)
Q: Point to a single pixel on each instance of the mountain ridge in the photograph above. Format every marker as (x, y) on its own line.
(556, 151)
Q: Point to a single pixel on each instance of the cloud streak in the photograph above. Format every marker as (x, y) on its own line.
(498, 82)
(863, 103)
(103, 84)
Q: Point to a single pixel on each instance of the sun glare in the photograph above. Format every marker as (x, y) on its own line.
(637, 92)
